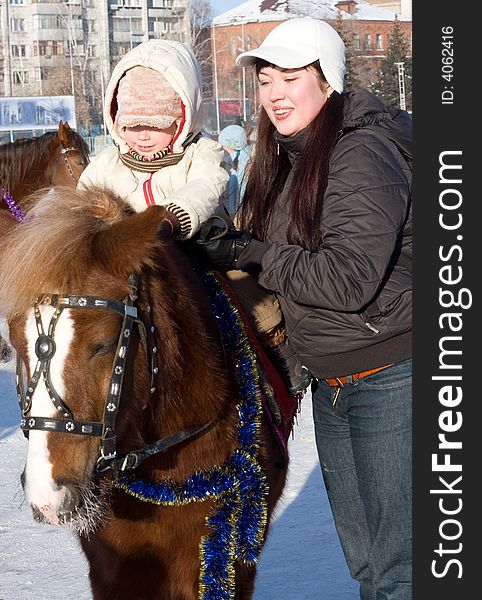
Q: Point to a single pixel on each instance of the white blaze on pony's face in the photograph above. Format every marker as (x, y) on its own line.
(40, 489)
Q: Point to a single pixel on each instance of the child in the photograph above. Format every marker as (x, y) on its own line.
(153, 112)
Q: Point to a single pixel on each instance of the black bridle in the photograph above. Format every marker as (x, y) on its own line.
(63, 153)
(45, 348)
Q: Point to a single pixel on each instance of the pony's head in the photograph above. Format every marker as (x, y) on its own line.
(87, 344)
(118, 346)
(69, 155)
(54, 158)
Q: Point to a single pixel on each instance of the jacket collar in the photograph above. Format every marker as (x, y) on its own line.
(292, 145)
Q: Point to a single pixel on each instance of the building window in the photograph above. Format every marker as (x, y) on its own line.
(48, 48)
(127, 24)
(17, 2)
(368, 41)
(40, 74)
(129, 3)
(20, 77)
(19, 50)
(379, 41)
(160, 26)
(356, 41)
(17, 24)
(121, 48)
(47, 22)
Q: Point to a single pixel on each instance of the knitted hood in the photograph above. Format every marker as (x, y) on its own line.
(176, 62)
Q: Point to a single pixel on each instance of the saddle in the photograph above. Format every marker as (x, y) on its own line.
(279, 406)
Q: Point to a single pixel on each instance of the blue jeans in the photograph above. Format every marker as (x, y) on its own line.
(365, 448)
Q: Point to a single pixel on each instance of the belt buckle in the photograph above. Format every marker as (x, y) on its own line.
(337, 391)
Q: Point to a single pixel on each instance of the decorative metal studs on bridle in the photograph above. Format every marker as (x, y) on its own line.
(44, 347)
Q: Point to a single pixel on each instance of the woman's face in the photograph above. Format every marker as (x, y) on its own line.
(291, 97)
(149, 140)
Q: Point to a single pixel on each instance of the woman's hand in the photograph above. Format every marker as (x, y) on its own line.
(219, 242)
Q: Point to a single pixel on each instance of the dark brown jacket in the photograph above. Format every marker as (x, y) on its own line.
(366, 219)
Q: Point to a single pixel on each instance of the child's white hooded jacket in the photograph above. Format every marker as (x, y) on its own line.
(191, 188)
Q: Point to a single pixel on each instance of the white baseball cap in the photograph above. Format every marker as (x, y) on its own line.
(299, 42)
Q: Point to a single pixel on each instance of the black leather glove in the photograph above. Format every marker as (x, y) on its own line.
(219, 242)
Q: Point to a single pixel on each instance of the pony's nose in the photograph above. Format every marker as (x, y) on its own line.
(71, 501)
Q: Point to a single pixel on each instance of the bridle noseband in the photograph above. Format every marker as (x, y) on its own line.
(45, 349)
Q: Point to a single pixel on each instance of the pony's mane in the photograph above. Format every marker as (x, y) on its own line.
(19, 158)
(51, 251)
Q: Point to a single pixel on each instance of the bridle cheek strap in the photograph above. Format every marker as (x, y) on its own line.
(45, 343)
(63, 152)
(45, 348)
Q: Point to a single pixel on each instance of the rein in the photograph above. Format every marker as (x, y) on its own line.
(45, 348)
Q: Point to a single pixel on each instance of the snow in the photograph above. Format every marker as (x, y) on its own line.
(302, 559)
(279, 10)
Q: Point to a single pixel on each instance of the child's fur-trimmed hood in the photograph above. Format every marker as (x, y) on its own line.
(176, 62)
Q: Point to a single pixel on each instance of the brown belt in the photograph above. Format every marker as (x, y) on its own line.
(341, 381)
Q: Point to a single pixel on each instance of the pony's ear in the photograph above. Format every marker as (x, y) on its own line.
(128, 245)
(63, 134)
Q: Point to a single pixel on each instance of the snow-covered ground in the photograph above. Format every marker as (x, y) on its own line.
(302, 559)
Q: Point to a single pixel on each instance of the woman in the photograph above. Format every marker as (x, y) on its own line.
(325, 217)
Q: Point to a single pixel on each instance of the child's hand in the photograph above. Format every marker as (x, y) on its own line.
(169, 226)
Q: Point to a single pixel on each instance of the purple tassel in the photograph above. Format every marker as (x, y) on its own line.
(12, 205)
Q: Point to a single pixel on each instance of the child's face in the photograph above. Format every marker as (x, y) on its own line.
(149, 140)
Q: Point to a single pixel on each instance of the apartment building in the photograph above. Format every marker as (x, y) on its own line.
(78, 42)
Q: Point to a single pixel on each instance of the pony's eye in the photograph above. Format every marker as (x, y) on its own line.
(103, 347)
(79, 162)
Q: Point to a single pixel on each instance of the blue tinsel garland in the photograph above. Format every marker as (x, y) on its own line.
(237, 527)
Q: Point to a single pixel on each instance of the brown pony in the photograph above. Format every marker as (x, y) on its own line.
(26, 165)
(142, 404)
(54, 158)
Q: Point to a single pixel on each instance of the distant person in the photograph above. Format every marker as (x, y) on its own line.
(152, 110)
(233, 139)
(326, 227)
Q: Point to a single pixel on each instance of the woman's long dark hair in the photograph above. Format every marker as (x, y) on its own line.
(269, 170)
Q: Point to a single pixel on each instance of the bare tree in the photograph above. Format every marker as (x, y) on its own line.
(57, 81)
(77, 77)
(196, 33)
